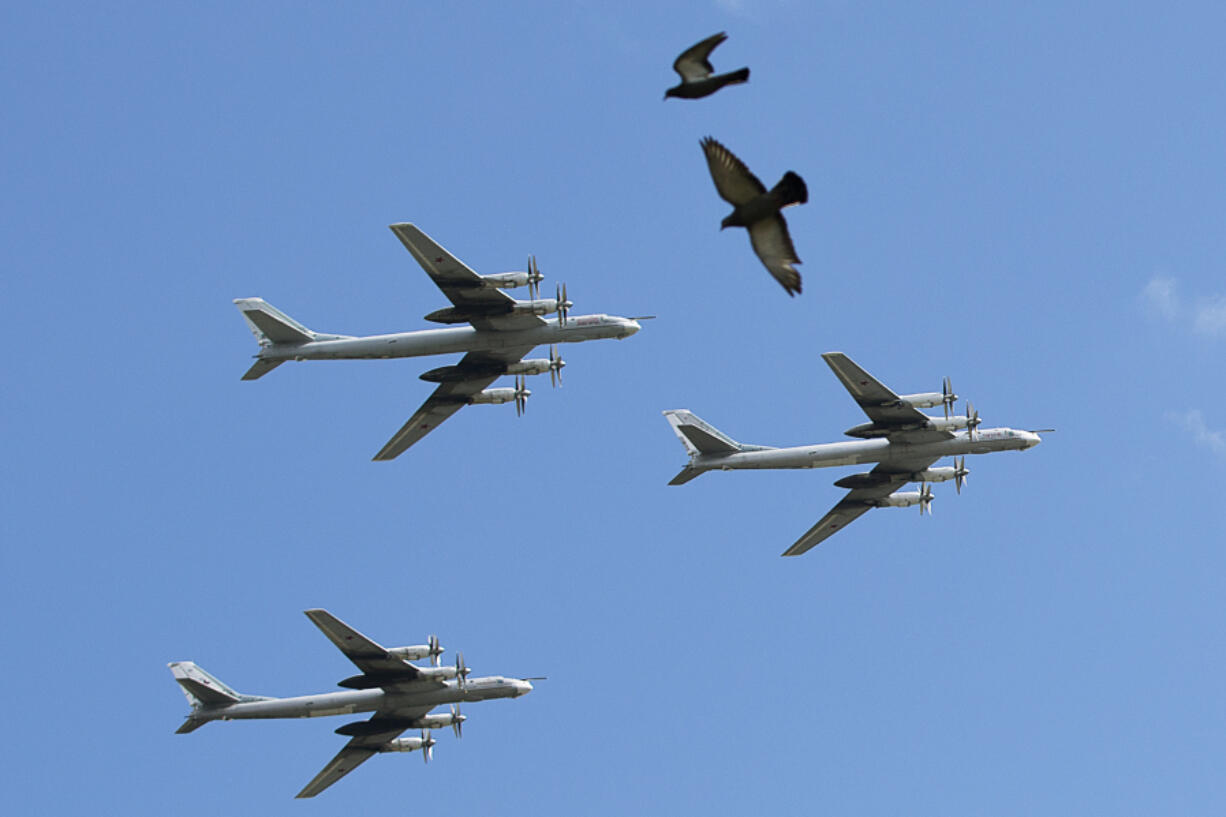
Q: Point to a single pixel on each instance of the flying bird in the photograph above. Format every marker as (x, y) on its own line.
(757, 209)
(696, 71)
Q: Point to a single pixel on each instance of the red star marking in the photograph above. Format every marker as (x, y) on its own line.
(863, 382)
(438, 260)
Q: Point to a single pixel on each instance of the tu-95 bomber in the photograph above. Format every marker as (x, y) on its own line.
(903, 441)
(400, 695)
(501, 331)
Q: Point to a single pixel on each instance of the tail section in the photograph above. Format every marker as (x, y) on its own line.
(201, 688)
(790, 190)
(701, 439)
(270, 325)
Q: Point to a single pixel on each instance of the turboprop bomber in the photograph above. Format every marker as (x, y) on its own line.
(903, 441)
(501, 331)
(400, 695)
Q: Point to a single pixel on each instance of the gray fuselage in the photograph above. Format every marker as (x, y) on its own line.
(855, 452)
(425, 342)
(369, 700)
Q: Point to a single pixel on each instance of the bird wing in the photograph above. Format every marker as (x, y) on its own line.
(693, 64)
(733, 181)
(773, 246)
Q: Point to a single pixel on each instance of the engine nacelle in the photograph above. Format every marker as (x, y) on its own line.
(436, 721)
(898, 499)
(412, 653)
(437, 673)
(506, 280)
(926, 399)
(402, 745)
(869, 431)
(493, 396)
(536, 365)
(935, 475)
(541, 306)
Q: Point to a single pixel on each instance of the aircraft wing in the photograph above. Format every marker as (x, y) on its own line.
(361, 748)
(368, 656)
(464, 288)
(451, 396)
(882, 405)
(885, 479)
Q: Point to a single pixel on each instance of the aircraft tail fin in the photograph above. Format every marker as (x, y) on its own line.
(201, 689)
(270, 325)
(699, 437)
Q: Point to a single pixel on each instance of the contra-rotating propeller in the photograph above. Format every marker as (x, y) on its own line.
(427, 745)
(556, 364)
(534, 278)
(521, 395)
(948, 398)
(960, 472)
(564, 304)
(461, 670)
(972, 420)
(456, 720)
(925, 499)
(435, 649)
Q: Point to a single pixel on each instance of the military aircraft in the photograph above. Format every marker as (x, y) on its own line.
(501, 331)
(400, 694)
(903, 441)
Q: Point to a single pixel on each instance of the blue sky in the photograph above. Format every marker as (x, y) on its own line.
(1029, 200)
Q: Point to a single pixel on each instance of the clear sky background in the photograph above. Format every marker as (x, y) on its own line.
(1028, 199)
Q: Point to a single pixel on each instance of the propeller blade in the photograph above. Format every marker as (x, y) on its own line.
(948, 398)
(461, 671)
(556, 364)
(435, 650)
(427, 746)
(534, 278)
(960, 473)
(456, 721)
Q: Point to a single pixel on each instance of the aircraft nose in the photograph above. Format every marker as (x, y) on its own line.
(522, 688)
(630, 328)
(1032, 439)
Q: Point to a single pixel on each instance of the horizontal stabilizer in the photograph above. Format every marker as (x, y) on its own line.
(261, 368)
(687, 473)
(190, 725)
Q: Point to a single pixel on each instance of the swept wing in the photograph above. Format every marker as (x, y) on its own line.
(882, 481)
(885, 408)
(379, 729)
(489, 306)
(451, 396)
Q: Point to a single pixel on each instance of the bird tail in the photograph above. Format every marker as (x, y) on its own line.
(738, 76)
(790, 190)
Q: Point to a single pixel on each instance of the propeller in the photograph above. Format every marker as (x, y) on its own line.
(427, 745)
(521, 395)
(564, 304)
(960, 473)
(948, 398)
(534, 278)
(436, 650)
(972, 419)
(925, 502)
(556, 364)
(461, 671)
(456, 720)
